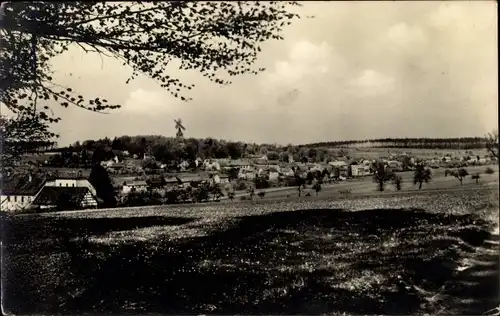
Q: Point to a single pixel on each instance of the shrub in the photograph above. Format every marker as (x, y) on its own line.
(240, 185)
(489, 170)
(261, 194)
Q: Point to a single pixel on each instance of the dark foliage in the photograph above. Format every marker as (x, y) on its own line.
(421, 175)
(427, 143)
(166, 276)
(146, 36)
(381, 175)
(103, 185)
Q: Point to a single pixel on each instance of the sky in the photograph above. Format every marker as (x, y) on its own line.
(356, 70)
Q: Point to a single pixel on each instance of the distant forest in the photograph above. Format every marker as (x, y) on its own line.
(420, 143)
(170, 149)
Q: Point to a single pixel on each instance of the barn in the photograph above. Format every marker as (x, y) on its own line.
(65, 198)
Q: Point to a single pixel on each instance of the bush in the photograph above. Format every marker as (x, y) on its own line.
(261, 183)
(489, 170)
(240, 186)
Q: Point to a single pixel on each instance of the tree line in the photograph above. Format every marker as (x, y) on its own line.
(420, 143)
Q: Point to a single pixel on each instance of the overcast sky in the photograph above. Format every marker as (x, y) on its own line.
(357, 70)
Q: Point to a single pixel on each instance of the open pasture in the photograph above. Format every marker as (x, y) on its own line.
(414, 253)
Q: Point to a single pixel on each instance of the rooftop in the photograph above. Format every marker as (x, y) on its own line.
(20, 184)
(51, 195)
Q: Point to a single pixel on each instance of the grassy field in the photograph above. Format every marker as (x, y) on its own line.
(391, 253)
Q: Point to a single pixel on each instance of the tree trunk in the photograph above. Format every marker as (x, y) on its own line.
(420, 185)
(317, 193)
(381, 186)
(477, 181)
(461, 181)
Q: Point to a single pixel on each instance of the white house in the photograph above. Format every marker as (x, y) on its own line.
(273, 175)
(219, 178)
(247, 175)
(211, 165)
(183, 165)
(18, 192)
(137, 186)
(242, 164)
(337, 163)
(360, 170)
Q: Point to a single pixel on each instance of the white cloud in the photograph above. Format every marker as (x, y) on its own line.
(406, 36)
(146, 102)
(371, 82)
(305, 61)
(447, 14)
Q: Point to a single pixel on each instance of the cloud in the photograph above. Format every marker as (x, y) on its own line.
(416, 62)
(406, 36)
(371, 83)
(305, 61)
(150, 103)
(447, 14)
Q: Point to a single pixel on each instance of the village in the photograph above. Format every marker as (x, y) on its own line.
(136, 181)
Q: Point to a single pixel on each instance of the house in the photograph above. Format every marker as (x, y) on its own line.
(117, 166)
(360, 170)
(211, 165)
(247, 175)
(183, 165)
(70, 181)
(108, 163)
(156, 182)
(338, 163)
(287, 172)
(395, 165)
(219, 178)
(242, 164)
(136, 186)
(18, 192)
(273, 175)
(65, 198)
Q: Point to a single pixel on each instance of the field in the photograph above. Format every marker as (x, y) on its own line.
(429, 252)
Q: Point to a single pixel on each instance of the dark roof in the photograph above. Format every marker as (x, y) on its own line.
(50, 195)
(117, 165)
(20, 184)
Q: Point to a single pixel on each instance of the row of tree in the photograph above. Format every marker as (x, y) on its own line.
(428, 143)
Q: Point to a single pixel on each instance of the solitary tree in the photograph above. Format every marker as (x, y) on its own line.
(103, 185)
(317, 187)
(299, 181)
(212, 38)
(492, 143)
(460, 175)
(251, 192)
(397, 181)
(381, 175)
(476, 177)
(421, 175)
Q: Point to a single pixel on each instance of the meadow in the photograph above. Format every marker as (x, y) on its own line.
(429, 252)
